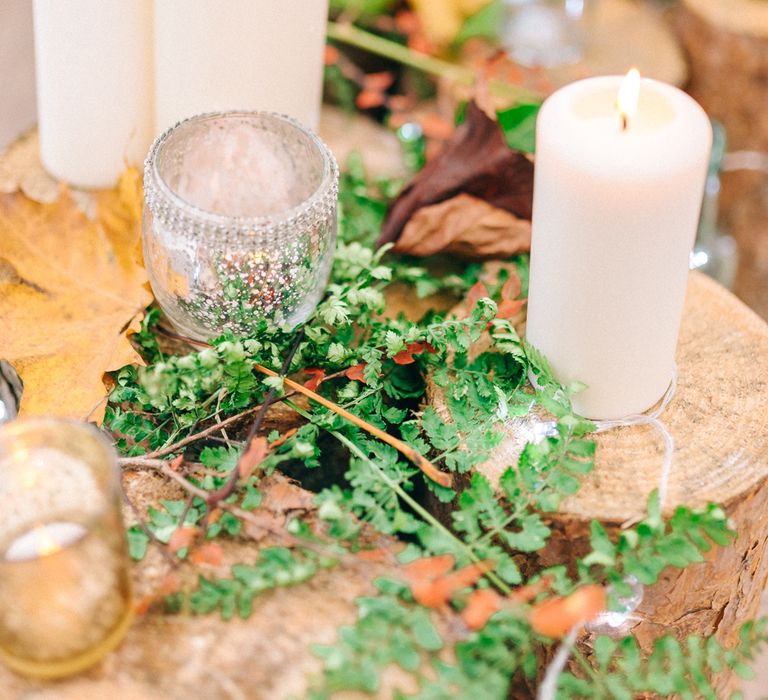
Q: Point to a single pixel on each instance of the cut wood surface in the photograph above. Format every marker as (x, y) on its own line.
(719, 421)
(267, 657)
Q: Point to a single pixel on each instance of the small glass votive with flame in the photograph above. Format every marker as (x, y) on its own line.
(65, 596)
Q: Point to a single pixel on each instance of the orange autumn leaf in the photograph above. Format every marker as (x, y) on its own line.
(144, 604)
(482, 604)
(72, 290)
(508, 308)
(431, 584)
(355, 373)
(476, 292)
(510, 305)
(182, 537)
(555, 617)
(208, 553)
(318, 375)
(380, 554)
(283, 438)
(253, 456)
(406, 22)
(429, 567)
(512, 287)
(405, 357)
(378, 82)
(436, 127)
(525, 594)
(331, 55)
(467, 576)
(170, 584)
(367, 99)
(176, 462)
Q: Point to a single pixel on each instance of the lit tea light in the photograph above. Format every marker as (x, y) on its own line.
(64, 588)
(629, 93)
(44, 540)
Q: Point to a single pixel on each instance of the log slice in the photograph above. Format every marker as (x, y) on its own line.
(719, 421)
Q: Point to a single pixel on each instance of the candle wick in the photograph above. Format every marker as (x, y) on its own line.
(624, 121)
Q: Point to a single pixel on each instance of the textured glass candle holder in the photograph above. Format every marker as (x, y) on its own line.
(65, 596)
(546, 33)
(239, 221)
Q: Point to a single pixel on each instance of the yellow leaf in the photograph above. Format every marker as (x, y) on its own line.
(71, 291)
(442, 19)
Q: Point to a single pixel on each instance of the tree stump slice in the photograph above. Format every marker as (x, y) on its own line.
(719, 421)
(266, 657)
(727, 45)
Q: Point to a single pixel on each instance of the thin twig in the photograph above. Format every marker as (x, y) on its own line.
(163, 466)
(187, 507)
(216, 427)
(231, 484)
(412, 454)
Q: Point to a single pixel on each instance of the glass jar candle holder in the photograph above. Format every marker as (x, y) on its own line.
(547, 33)
(65, 595)
(239, 222)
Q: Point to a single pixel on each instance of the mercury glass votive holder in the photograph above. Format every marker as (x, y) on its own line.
(65, 594)
(239, 222)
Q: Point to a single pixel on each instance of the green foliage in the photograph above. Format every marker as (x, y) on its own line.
(673, 668)
(391, 630)
(483, 391)
(276, 567)
(388, 631)
(644, 551)
(519, 126)
(485, 23)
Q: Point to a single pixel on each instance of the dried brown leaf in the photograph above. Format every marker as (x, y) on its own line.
(182, 537)
(77, 291)
(476, 161)
(253, 456)
(465, 226)
(210, 553)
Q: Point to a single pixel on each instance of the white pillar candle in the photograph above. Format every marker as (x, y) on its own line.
(248, 54)
(94, 87)
(617, 195)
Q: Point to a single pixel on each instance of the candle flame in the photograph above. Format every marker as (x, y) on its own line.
(45, 544)
(629, 92)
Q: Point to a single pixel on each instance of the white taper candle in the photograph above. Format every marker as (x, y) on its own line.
(615, 208)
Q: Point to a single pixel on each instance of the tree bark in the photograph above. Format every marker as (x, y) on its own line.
(727, 46)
